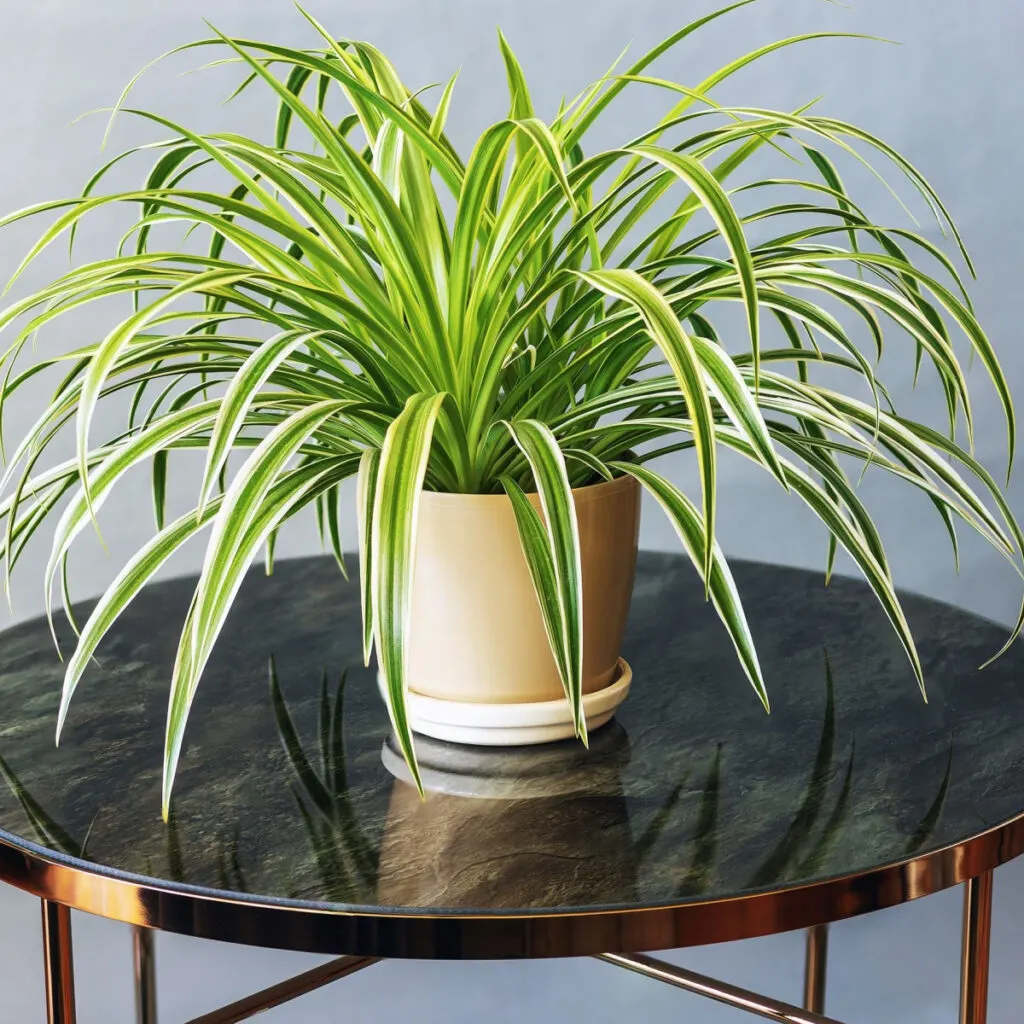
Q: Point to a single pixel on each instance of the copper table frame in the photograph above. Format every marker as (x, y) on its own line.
(616, 936)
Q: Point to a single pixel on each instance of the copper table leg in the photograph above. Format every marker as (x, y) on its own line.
(816, 968)
(57, 964)
(720, 991)
(144, 960)
(977, 937)
(287, 990)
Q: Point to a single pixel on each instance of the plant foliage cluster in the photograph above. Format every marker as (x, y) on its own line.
(536, 317)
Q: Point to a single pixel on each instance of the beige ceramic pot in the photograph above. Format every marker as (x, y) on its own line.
(477, 635)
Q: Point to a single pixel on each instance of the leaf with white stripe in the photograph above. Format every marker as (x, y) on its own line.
(681, 355)
(547, 465)
(685, 517)
(403, 466)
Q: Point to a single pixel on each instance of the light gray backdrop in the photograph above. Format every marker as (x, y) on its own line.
(948, 97)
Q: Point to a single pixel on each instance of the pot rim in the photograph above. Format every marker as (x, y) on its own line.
(589, 492)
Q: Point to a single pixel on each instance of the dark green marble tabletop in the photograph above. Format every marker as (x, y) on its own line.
(693, 794)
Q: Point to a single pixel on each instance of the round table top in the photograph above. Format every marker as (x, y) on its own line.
(694, 817)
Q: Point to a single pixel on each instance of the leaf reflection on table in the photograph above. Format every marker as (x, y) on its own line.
(346, 862)
(48, 833)
(547, 825)
(781, 860)
(804, 849)
(457, 849)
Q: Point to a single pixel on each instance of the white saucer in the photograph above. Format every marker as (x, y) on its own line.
(512, 725)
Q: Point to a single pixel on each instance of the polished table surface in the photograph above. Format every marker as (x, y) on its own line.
(693, 817)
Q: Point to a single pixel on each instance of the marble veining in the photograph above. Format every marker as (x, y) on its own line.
(692, 792)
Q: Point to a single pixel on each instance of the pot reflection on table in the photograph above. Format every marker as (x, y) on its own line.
(508, 827)
(555, 825)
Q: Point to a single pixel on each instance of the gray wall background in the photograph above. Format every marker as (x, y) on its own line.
(949, 98)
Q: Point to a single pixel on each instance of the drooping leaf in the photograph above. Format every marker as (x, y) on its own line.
(561, 534)
(679, 352)
(369, 465)
(686, 519)
(400, 474)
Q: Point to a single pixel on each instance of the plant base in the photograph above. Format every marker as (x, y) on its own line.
(513, 724)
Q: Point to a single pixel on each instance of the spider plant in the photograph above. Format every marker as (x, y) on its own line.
(351, 297)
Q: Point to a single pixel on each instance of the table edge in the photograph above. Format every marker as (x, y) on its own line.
(466, 935)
